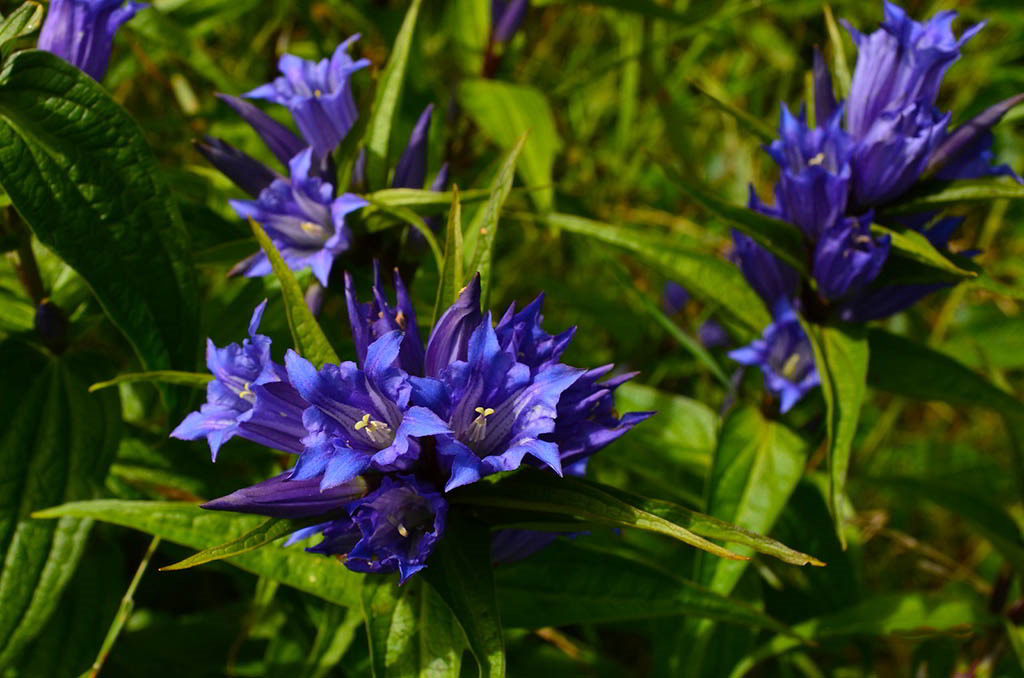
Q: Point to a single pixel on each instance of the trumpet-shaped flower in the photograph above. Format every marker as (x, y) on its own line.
(82, 31)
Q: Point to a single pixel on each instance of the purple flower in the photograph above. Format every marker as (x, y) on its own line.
(372, 320)
(900, 64)
(812, 192)
(318, 94)
(302, 218)
(506, 17)
(768, 275)
(848, 258)
(411, 171)
(785, 357)
(674, 297)
(895, 151)
(249, 174)
(284, 497)
(82, 31)
(249, 397)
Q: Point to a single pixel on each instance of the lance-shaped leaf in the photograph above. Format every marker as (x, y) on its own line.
(914, 246)
(703, 274)
(192, 379)
(78, 170)
(545, 493)
(21, 21)
(452, 276)
(486, 226)
(841, 358)
(56, 443)
(965, 135)
(422, 201)
(386, 100)
(934, 195)
(506, 112)
(265, 533)
(310, 340)
(577, 583)
(460, 572)
(411, 630)
(192, 526)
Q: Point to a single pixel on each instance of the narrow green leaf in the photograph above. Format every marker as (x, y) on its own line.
(572, 582)
(914, 370)
(193, 379)
(21, 21)
(269, 531)
(1016, 636)
(423, 201)
(705, 275)
(935, 195)
(386, 99)
(506, 112)
(841, 357)
(64, 142)
(310, 341)
(192, 526)
(840, 66)
(488, 224)
(460, 572)
(914, 246)
(406, 215)
(903, 613)
(756, 467)
(56, 443)
(411, 630)
(452, 275)
(754, 126)
(469, 28)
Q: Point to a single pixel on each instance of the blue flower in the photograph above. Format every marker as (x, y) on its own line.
(411, 171)
(372, 320)
(768, 275)
(900, 64)
(249, 174)
(848, 258)
(285, 497)
(318, 94)
(506, 17)
(303, 219)
(82, 31)
(243, 373)
(812, 192)
(785, 357)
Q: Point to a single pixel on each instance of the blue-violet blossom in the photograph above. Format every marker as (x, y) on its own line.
(82, 31)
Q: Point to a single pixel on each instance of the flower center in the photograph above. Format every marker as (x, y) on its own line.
(317, 93)
(312, 228)
(378, 432)
(816, 160)
(790, 367)
(246, 393)
(478, 429)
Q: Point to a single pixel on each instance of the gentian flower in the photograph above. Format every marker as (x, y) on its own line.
(848, 258)
(82, 31)
(248, 397)
(318, 94)
(769, 276)
(382, 441)
(302, 218)
(506, 17)
(785, 357)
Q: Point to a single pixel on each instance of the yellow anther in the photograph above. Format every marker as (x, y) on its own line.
(400, 319)
(246, 392)
(311, 228)
(484, 411)
(817, 160)
(401, 530)
(317, 93)
(790, 366)
(362, 423)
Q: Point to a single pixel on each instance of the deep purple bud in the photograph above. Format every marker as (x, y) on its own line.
(374, 319)
(848, 258)
(768, 275)
(82, 31)
(281, 497)
(243, 170)
(281, 141)
(411, 171)
(825, 105)
(506, 17)
(674, 297)
(450, 339)
(319, 95)
(966, 153)
(51, 323)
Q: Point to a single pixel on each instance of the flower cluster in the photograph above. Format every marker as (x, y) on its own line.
(865, 153)
(382, 440)
(82, 31)
(303, 213)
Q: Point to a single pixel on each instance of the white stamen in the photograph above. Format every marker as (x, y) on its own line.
(817, 160)
(378, 432)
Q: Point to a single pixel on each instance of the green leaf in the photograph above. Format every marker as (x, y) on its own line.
(56, 444)
(406, 215)
(756, 467)
(20, 22)
(841, 357)
(987, 519)
(904, 613)
(269, 531)
(706, 276)
(193, 379)
(543, 492)
(487, 225)
(460, 572)
(469, 27)
(915, 247)
(64, 142)
(840, 67)
(192, 526)
(914, 370)
(754, 126)
(422, 201)
(310, 341)
(935, 195)
(385, 103)
(452, 275)
(506, 112)
(411, 630)
(577, 583)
